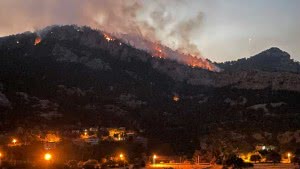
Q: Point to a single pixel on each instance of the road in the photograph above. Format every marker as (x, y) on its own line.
(179, 166)
(276, 166)
(207, 166)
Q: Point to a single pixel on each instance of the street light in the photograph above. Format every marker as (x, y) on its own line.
(0, 158)
(289, 156)
(154, 158)
(122, 159)
(14, 141)
(47, 157)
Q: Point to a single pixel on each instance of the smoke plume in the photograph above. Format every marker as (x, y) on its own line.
(149, 19)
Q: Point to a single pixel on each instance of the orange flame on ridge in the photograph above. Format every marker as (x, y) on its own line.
(193, 61)
(188, 59)
(37, 40)
(158, 51)
(107, 37)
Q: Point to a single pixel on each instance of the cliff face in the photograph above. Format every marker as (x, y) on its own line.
(251, 79)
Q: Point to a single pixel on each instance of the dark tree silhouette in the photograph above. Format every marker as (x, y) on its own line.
(255, 158)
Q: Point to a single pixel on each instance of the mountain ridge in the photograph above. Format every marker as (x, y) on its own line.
(75, 77)
(63, 39)
(271, 60)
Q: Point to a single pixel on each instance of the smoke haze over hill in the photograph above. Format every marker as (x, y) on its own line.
(112, 16)
(221, 30)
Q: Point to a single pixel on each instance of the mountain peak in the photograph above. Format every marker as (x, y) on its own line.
(273, 52)
(270, 60)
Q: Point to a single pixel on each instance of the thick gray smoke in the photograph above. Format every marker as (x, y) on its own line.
(150, 19)
(184, 31)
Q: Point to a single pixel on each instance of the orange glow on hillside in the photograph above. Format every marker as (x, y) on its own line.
(176, 98)
(37, 40)
(194, 61)
(162, 52)
(158, 51)
(108, 38)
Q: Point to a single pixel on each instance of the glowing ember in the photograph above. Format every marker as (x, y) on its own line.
(108, 38)
(37, 40)
(176, 98)
(158, 51)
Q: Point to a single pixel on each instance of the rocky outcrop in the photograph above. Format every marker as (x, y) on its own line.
(4, 102)
(242, 79)
(65, 55)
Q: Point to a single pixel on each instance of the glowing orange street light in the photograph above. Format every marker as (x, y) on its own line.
(0, 158)
(154, 158)
(289, 156)
(122, 159)
(47, 157)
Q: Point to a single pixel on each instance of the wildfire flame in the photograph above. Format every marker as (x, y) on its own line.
(190, 60)
(37, 40)
(193, 61)
(158, 51)
(108, 38)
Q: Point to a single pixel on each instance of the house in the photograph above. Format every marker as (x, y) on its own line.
(49, 145)
(93, 140)
(117, 134)
(262, 147)
(141, 140)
